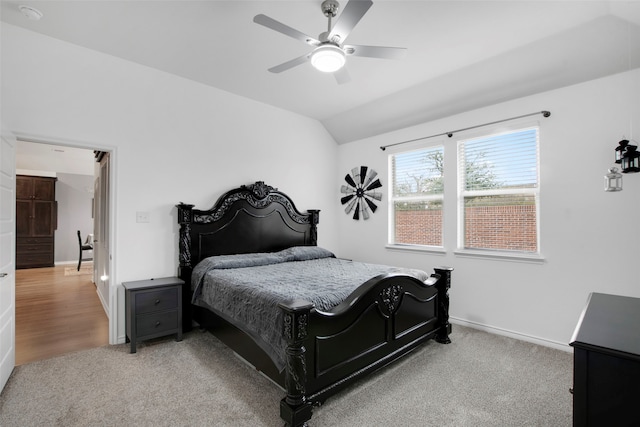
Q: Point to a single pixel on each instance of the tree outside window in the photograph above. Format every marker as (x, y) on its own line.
(418, 191)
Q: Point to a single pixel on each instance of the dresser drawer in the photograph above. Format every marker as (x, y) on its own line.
(30, 260)
(34, 248)
(34, 252)
(156, 300)
(34, 241)
(156, 323)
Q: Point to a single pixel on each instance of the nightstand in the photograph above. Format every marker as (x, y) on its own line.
(153, 309)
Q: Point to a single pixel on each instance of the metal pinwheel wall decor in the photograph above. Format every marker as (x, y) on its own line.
(359, 194)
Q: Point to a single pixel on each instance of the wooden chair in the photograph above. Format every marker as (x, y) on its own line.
(83, 247)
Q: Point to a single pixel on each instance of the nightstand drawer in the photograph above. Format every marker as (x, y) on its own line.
(156, 323)
(153, 309)
(156, 300)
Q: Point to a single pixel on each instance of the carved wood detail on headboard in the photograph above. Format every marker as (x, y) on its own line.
(246, 206)
(258, 195)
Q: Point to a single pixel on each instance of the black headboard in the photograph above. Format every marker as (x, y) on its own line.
(251, 218)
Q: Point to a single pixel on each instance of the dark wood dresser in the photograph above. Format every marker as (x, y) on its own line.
(606, 377)
(36, 221)
(153, 309)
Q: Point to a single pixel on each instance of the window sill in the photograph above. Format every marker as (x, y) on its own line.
(417, 248)
(501, 256)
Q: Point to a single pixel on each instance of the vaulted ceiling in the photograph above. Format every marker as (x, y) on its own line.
(461, 55)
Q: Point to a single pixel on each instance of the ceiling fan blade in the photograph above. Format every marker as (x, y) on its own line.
(349, 18)
(285, 29)
(342, 75)
(382, 52)
(290, 64)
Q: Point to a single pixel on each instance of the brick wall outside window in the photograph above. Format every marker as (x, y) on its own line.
(419, 227)
(511, 228)
(488, 227)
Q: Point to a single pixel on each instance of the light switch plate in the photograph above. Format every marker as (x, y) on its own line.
(142, 216)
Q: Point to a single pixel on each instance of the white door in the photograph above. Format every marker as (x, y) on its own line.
(94, 215)
(7, 257)
(101, 254)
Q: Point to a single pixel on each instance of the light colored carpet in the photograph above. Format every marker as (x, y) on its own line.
(479, 379)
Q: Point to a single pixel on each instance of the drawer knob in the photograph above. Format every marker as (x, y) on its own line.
(157, 302)
(157, 324)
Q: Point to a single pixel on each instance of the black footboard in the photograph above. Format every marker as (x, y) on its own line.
(383, 320)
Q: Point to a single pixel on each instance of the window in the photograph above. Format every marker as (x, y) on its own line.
(498, 192)
(417, 197)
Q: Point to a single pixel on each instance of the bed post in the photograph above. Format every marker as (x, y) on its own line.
(185, 217)
(294, 408)
(314, 218)
(443, 285)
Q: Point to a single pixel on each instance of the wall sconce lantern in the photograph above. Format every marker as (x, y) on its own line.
(620, 149)
(630, 162)
(613, 180)
(627, 157)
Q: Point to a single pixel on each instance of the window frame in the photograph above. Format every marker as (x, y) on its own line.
(391, 237)
(529, 191)
(451, 230)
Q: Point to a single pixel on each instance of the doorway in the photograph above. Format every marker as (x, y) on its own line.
(73, 303)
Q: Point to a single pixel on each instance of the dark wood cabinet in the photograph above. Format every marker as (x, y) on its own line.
(153, 309)
(36, 221)
(606, 378)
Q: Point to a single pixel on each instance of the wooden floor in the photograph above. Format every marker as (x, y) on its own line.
(57, 314)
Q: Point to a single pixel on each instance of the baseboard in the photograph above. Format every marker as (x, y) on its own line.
(105, 307)
(58, 263)
(511, 334)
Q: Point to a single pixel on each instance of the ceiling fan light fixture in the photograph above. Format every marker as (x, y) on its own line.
(328, 58)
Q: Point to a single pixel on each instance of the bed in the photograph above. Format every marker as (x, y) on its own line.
(254, 233)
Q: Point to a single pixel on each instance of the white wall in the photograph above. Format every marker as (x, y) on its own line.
(173, 140)
(74, 194)
(589, 238)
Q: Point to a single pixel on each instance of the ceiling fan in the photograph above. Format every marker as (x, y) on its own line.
(330, 52)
